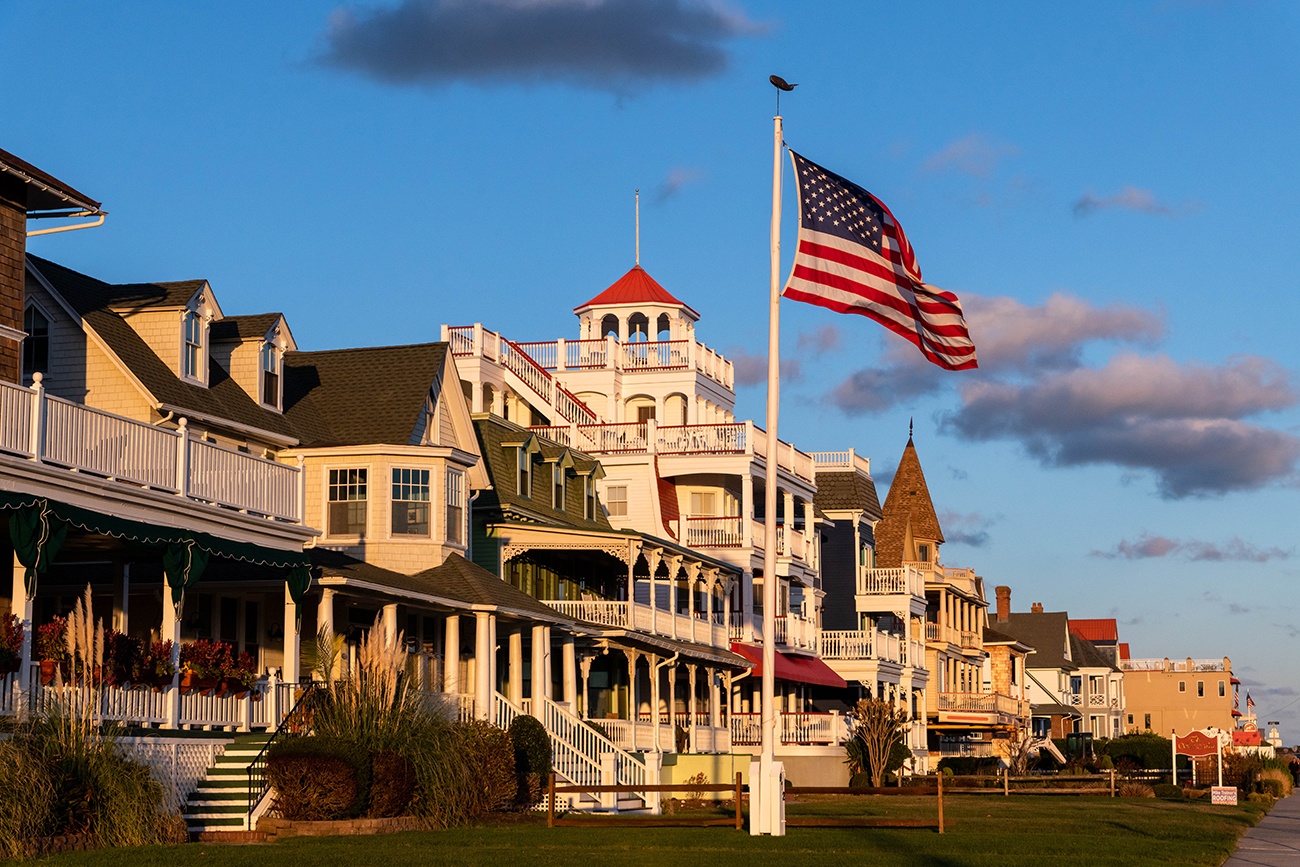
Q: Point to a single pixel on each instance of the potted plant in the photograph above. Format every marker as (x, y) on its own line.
(52, 648)
(11, 644)
(242, 676)
(206, 662)
(153, 667)
(121, 655)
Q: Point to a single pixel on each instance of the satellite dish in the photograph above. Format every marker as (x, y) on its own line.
(781, 84)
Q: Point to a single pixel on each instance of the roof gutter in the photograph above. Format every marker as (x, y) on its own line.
(287, 442)
(92, 208)
(74, 227)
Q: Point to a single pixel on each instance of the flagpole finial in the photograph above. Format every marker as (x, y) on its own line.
(909, 428)
(638, 225)
(780, 84)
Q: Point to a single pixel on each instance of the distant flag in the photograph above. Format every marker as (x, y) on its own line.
(1250, 703)
(853, 257)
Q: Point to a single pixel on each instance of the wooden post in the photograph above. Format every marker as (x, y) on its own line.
(1112, 782)
(1006, 782)
(940, 801)
(550, 801)
(740, 823)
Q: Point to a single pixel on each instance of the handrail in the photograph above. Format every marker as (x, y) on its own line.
(257, 782)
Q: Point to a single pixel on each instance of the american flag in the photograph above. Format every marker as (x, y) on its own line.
(853, 257)
(1250, 704)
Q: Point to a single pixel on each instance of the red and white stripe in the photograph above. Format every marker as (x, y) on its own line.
(850, 278)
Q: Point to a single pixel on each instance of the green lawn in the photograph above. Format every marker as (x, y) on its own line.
(988, 830)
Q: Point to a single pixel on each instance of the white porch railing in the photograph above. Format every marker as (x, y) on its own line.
(979, 702)
(905, 580)
(863, 644)
(598, 354)
(636, 615)
(794, 631)
(846, 460)
(579, 751)
(710, 531)
(806, 729)
(639, 735)
(51, 430)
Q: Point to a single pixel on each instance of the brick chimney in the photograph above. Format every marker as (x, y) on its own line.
(1004, 602)
(25, 189)
(1036, 608)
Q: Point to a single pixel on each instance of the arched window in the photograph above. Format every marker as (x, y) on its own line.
(609, 325)
(663, 327)
(638, 327)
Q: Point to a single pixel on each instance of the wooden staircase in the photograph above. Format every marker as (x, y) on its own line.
(220, 803)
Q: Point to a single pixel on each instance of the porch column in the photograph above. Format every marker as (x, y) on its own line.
(715, 705)
(122, 597)
(21, 606)
(548, 664)
(476, 396)
(672, 703)
(584, 672)
(746, 508)
(171, 631)
(654, 702)
(451, 655)
(515, 671)
(483, 664)
(570, 674)
(292, 640)
(540, 673)
(390, 622)
(631, 690)
(499, 402)
(690, 709)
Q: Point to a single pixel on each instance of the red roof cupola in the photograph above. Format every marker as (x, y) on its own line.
(635, 287)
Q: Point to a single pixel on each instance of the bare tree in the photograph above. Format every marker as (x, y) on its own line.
(877, 726)
(1020, 750)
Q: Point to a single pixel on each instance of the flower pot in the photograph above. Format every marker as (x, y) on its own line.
(187, 680)
(48, 667)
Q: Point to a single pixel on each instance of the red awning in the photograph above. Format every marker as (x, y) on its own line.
(801, 669)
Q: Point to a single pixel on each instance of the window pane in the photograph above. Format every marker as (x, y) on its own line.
(455, 513)
(347, 502)
(410, 502)
(36, 346)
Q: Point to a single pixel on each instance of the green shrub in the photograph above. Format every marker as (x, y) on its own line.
(1258, 798)
(392, 785)
(1135, 790)
(1280, 776)
(860, 780)
(1145, 750)
(1271, 787)
(532, 752)
(969, 766)
(318, 778)
(1106, 763)
(947, 772)
(1168, 790)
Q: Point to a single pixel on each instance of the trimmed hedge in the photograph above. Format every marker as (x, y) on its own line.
(532, 749)
(317, 778)
(1169, 791)
(392, 785)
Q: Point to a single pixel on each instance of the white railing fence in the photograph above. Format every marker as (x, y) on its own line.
(59, 432)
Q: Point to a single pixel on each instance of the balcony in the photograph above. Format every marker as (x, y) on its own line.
(990, 705)
(863, 644)
(907, 580)
(558, 356)
(789, 630)
(722, 438)
(793, 729)
(56, 432)
(635, 615)
(728, 531)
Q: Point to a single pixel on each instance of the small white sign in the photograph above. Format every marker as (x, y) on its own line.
(1223, 795)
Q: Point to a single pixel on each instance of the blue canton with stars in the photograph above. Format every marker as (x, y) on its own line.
(837, 206)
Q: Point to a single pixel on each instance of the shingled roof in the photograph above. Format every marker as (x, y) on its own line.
(360, 396)
(1088, 655)
(839, 490)
(38, 190)
(252, 327)
(499, 459)
(1046, 632)
(456, 580)
(635, 287)
(907, 504)
(94, 300)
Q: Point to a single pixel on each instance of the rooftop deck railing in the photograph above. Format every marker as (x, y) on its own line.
(58, 432)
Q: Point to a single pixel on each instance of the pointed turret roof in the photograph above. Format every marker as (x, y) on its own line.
(908, 512)
(635, 287)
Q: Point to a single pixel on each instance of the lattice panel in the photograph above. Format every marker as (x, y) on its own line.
(179, 764)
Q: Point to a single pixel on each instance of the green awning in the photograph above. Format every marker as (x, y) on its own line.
(150, 534)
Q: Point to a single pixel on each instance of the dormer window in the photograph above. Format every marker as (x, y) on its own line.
(271, 360)
(192, 346)
(588, 498)
(524, 475)
(557, 486)
(36, 346)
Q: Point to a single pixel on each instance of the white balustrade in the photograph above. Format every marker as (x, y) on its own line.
(242, 481)
(904, 580)
(62, 433)
(724, 438)
(712, 531)
(604, 613)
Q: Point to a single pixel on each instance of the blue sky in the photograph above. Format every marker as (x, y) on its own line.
(1110, 188)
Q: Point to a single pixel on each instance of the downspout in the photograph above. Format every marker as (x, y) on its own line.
(72, 228)
(469, 532)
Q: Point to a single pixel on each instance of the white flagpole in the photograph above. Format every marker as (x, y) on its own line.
(770, 464)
